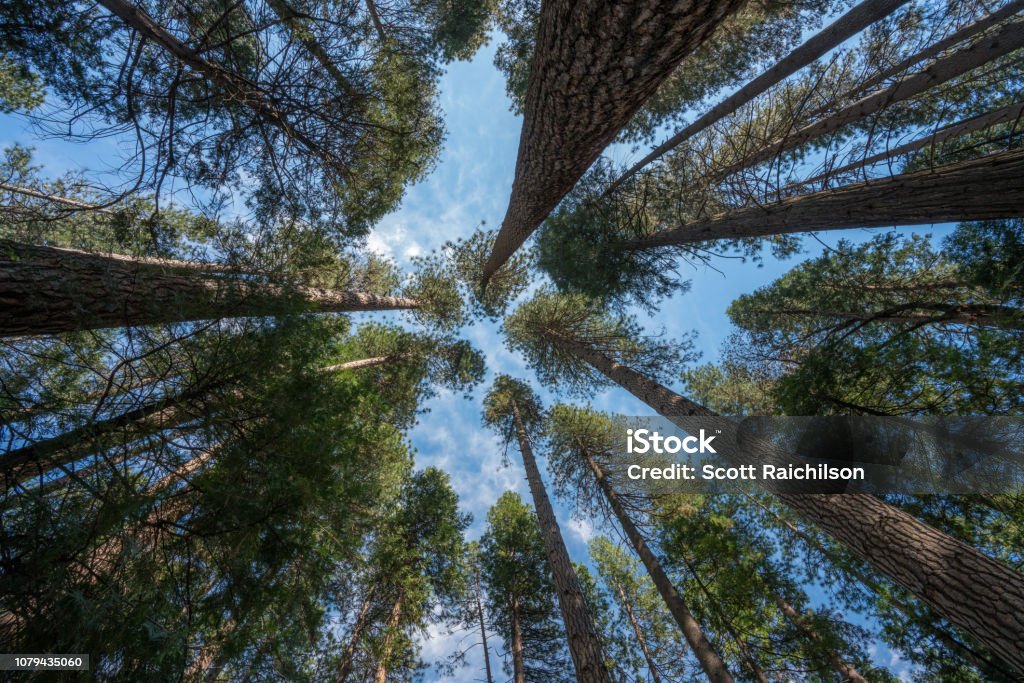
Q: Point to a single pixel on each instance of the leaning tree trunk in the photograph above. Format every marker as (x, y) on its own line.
(594, 64)
(991, 187)
(1000, 44)
(381, 673)
(39, 458)
(851, 23)
(348, 659)
(710, 661)
(913, 313)
(641, 639)
(53, 198)
(973, 591)
(236, 88)
(300, 30)
(843, 668)
(361, 363)
(584, 645)
(483, 625)
(45, 290)
(518, 665)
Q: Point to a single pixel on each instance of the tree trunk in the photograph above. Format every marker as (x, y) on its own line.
(973, 315)
(45, 290)
(851, 23)
(56, 199)
(976, 123)
(584, 645)
(381, 674)
(518, 666)
(991, 187)
(594, 64)
(347, 660)
(710, 661)
(299, 29)
(236, 88)
(356, 364)
(940, 46)
(641, 639)
(371, 7)
(842, 667)
(973, 591)
(37, 459)
(483, 626)
(1003, 42)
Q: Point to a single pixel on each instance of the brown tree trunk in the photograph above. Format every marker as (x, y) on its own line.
(991, 187)
(483, 625)
(973, 315)
(300, 30)
(940, 46)
(235, 87)
(641, 639)
(45, 290)
(356, 364)
(348, 659)
(842, 667)
(710, 661)
(518, 665)
(1010, 112)
(371, 8)
(851, 23)
(973, 591)
(594, 64)
(39, 458)
(1003, 42)
(584, 645)
(56, 199)
(381, 673)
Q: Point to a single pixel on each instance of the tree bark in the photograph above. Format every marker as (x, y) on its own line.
(381, 673)
(39, 458)
(973, 591)
(518, 665)
(46, 290)
(940, 46)
(991, 187)
(641, 639)
(851, 23)
(347, 660)
(371, 8)
(973, 315)
(1009, 38)
(56, 199)
(594, 64)
(584, 645)
(236, 88)
(710, 661)
(483, 625)
(842, 667)
(356, 364)
(1010, 112)
(299, 29)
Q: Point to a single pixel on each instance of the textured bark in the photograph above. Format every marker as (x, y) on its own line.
(300, 30)
(973, 591)
(710, 661)
(236, 88)
(641, 639)
(940, 46)
(56, 199)
(518, 666)
(381, 673)
(851, 23)
(37, 459)
(975, 123)
(1009, 38)
(842, 667)
(973, 315)
(356, 364)
(483, 626)
(46, 290)
(584, 644)
(594, 64)
(347, 660)
(991, 187)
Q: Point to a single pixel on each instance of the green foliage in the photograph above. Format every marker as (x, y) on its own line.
(468, 258)
(20, 89)
(552, 330)
(436, 287)
(517, 20)
(730, 388)
(507, 398)
(514, 569)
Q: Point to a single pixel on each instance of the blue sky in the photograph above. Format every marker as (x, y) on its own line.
(471, 184)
